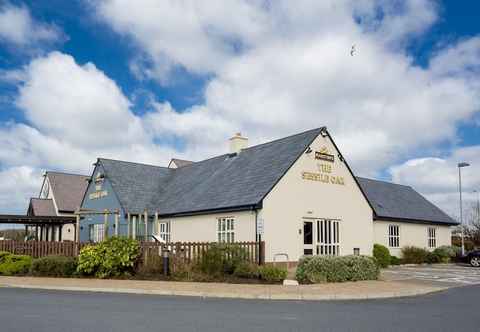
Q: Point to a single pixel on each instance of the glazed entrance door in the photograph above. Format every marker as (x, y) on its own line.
(308, 237)
(321, 237)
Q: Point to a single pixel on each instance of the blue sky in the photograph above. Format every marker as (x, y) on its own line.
(147, 81)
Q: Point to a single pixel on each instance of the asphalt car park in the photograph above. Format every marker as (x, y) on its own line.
(448, 274)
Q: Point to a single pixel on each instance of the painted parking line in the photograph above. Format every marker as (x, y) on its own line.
(448, 274)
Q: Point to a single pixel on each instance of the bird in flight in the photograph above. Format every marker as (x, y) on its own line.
(353, 50)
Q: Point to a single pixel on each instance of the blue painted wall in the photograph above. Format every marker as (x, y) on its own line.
(109, 202)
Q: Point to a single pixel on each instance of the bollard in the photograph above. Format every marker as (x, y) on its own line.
(166, 263)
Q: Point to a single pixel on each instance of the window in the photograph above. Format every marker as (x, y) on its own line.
(226, 230)
(164, 231)
(432, 240)
(393, 236)
(328, 237)
(96, 232)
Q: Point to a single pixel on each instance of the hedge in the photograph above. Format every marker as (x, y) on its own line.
(14, 264)
(113, 257)
(318, 269)
(382, 255)
(54, 266)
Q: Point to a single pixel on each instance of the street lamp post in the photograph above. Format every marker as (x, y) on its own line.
(460, 166)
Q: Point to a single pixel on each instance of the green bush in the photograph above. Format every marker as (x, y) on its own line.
(113, 257)
(14, 264)
(4, 254)
(432, 258)
(453, 252)
(394, 260)
(54, 266)
(442, 255)
(414, 255)
(301, 272)
(271, 273)
(337, 269)
(222, 259)
(246, 270)
(382, 255)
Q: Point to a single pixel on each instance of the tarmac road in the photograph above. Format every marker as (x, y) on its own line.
(456, 309)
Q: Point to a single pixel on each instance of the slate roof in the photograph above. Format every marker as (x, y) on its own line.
(228, 181)
(68, 189)
(42, 207)
(394, 201)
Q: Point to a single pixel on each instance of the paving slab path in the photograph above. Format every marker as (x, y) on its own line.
(336, 291)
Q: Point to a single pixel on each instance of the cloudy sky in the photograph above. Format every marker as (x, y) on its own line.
(148, 80)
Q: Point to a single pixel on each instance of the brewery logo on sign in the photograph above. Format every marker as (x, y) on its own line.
(325, 155)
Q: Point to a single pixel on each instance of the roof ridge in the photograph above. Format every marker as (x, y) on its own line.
(40, 199)
(254, 146)
(383, 181)
(286, 137)
(133, 162)
(66, 173)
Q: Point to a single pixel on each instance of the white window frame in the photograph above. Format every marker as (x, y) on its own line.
(96, 232)
(432, 237)
(226, 230)
(328, 237)
(394, 236)
(165, 231)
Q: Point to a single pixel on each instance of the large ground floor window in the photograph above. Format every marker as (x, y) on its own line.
(328, 237)
(226, 230)
(394, 236)
(96, 232)
(432, 238)
(164, 231)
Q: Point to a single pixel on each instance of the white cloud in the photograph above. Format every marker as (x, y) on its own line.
(18, 185)
(19, 28)
(70, 124)
(437, 178)
(293, 71)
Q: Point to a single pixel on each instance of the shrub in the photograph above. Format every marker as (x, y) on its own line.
(452, 251)
(414, 255)
(432, 258)
(54, 266)
(272, 273)
(246, 270)
(4, 254)
(301, 272)
(14, 264)
(111, 258)
(382, 255)
(222, 258)
(394, 260)
(337, 269)
(442, 255)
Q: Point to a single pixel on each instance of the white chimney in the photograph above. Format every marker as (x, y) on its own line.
(238, 143)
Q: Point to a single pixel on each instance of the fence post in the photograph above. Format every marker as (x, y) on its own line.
(261, 257)
(117, 216)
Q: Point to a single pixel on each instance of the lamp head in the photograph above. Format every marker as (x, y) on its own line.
(463, 164)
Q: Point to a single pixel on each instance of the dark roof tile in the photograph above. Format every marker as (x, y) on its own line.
(395, 201)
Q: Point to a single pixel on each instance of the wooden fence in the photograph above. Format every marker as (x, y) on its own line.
(192, 252)
(189, 252)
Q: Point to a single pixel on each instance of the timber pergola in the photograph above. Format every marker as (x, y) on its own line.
(43, 225)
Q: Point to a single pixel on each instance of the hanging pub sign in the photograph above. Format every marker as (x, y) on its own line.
(325, 155)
